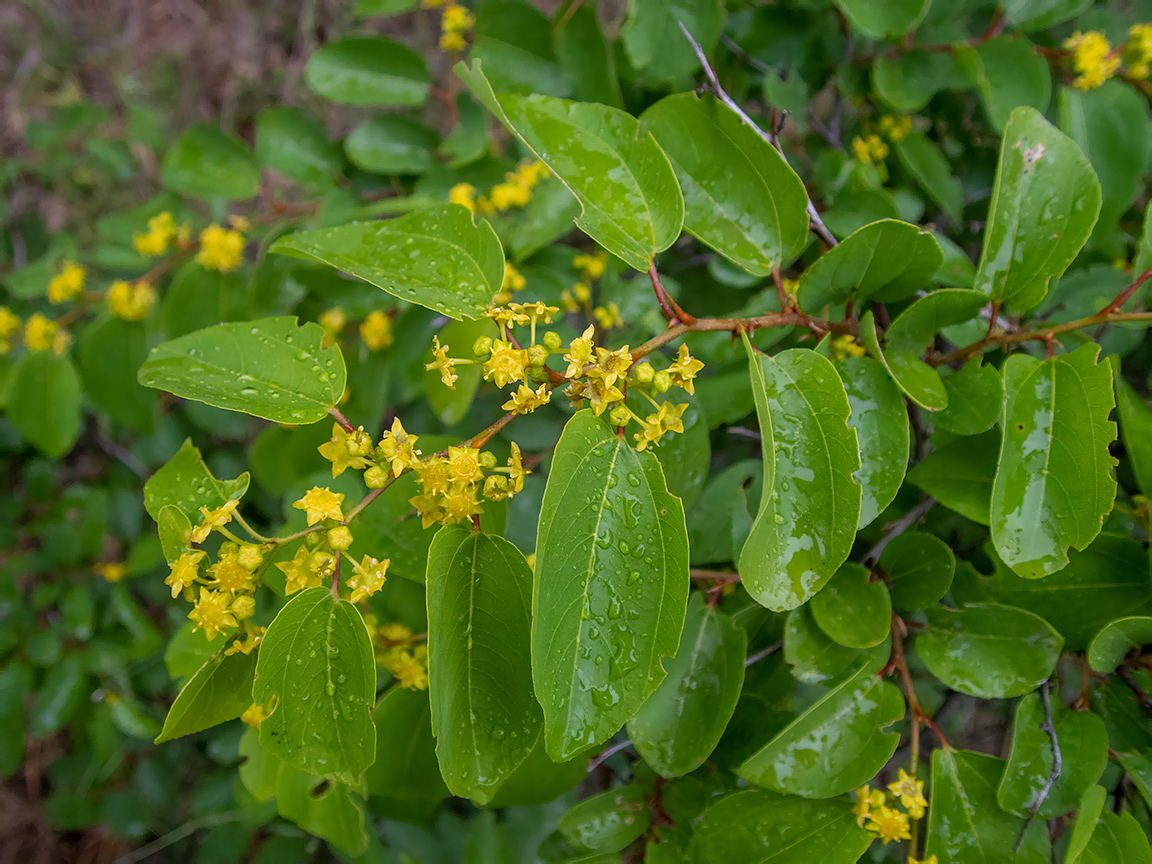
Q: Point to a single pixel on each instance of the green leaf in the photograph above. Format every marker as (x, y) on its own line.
(989, 650)
(919, 569)
(539, 779)
(1044, 203)
(607, 822)
(907, 81)
(740, 196)
(1054, 484)
(221, 690)
(548, 217)
(764, 828)
(436, 257)
(368, 70)
(468, 141)
(44, 402)
(268, 368)
(965, 823)
(587, 59)
(405, 768)
(1087, 817)
(883, 261)
(185, 481)
(316, 662)
(680, 724)
(452, 404)
(924, 161)
(816, 658)
(610, 587)
(173, 527)
(110, 352)
(885, 18)
(811, 502)
(847, 721)
(483, 714)
(710, 521)
(631, 201)
(207, 163)
(292, 142)
(851, 610)
(64, 690)
(1118, 837)
(915, 378)
(1116, 639)
(1040, 15)
(391, 144)
(686, 457)
(1138, 767)
(656, 45)
(513, 39)
(975, 397)
(915, 329)
(1083, 748)
(960, 475)
(1010, 73)
(1135, 431)
(881, 423)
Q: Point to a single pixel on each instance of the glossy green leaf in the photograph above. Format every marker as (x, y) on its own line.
(966, 824)
(919, 569)
(655, 43)
(765, 828)
(539, 779)
(185, 481)
(44, 402)
(1135, 431)
(1137, 766)
(851, 610)
(220, 690)
(588, 60)
(680, 724)
(1118, 837)
(1087, 817)
(810, 505)
(710, 521)
(391, 144)
(989, 650)
(207, 163)
(513, 39)
(816, 658)
(631, 201)
(483, 714)
(611, 585)
(1083, 750)
(881, 423)
(405, 768)
(886, 18)
(173, 527)
(848, 721)
(468, 141)
(435, 257)
(607, 822)
(1054, 484)
(269, 368)
(15, 685)
(908, 81)
(975, 398)
(368, 70)
(109, 353)
(915, 329)
(64, 690)
(960, 475)
(1116, 639)
(923, 160)
(915, 378)
(884, 261)
(292, 142)
(686, 456)
(741, 197)
(1010, 73)
(316, 662)
(1040, 14)
(1044, 203)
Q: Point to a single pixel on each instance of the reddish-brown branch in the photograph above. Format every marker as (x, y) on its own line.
(668, 306)
(1126, 295)
(338, 415)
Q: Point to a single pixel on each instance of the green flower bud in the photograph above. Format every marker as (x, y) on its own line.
(620, 415)
(375, 477)
(482, 347)
(340, 537)
(662, 381)
(552, 341)
(487, 460)
(537, 355)
(643, 373)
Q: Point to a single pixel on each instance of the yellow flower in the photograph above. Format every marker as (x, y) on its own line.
(428, 506)
(537, 311)
(862, 805)
(910, 791)
(395, 633)
(507, 315)
(460, 503)
(376, 331)
(896, 128)
(66, 284)
(612, 365)
(607, 316)
(516, 470)
(513, 280)
(338, 450)
(333, 321)
(320, 504)
(249, 643)
(530, 172)
(184, 572)
(399, 448)
(567, 303)
(497, 488)
(591, 267)
(869, 149)
(582, 292)
(220, 249)
(457, 18)
(9, 323)
(60, 342)
(410, 673)
(39, 333)
(464, 464)
(1092, 58)
(888, 824)
(844, 346)
(368, 578)
(684, 370)
(254, 715)
(463, 193)
(231, 576)
(434, 473)
(298, 573)
(442, 363)
(1138, 51)
(505, 196)
(132, 302)
(212, 614)
(526, 400)
(579, 353)
(452, 41)
(112, 572)
(210, 519)
(161, 231)
(666, 419)
(599, 393)
(506, 364)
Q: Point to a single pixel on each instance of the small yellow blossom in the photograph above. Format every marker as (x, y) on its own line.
(513, 279)
(249, 643)
(443, 364)
(184, 572)
(457, 18)
(613, 365)
(161, 231)
(516, 469)
(844, 346)
(608, 316)
(130, 301)
(1092, 58)
(526, 400)
(376, 331)
(511, 314)
(668, 418)
(1138, 51)
(368, 578)
(464, 464)
(395, 633)
(39, 333)
(579, 353)
(463, 194)
(410, 672)
(399, 448)
(320, 504)
(254, 715)
(591, 267)
(435, 474)
(220, 249)
(210, 519)
(869, 149)
(231, 576)
(339, 449)
(910, 791)
(67, 284)
(298, 573)
(896, 128)
(112, 571)
(684, 370)
(459, 504)
(888, 824)
(9, 323)
(506, 364)
(333, 322)
(212, 613)
(452, 41)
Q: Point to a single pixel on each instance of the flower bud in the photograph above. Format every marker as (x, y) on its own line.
(552, 341)
(662, 381)
(312, 539)
(375, 477)
(243, 607)
(249, 557)
(339, 537)
(482, 347)
(620, 415)
(359, 443)
(487, 460)
(644, 373)
(537, 355)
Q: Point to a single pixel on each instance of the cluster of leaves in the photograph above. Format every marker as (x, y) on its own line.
(904, 237)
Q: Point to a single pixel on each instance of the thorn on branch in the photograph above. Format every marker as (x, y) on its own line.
(1049, 726)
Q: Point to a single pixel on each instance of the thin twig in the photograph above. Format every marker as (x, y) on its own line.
(760, 655)
(1049, 726)
(178, 834)
(899, 527)
(593, 764)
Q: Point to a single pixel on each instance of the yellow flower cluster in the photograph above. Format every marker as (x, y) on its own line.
(1092, 58)
(9, 326)
(112, 571)
(162, 232)
(1138, 51)
(895, 128)
(221, 248)
(401, 653)
(590, 268)
(869, 149)
(515, 191)
(333, 321)
(513, 281)
(44, 334)
(132, 301)
(844, 346)
(455, 21)
(888, 823)
(376, 330)
(68, 284)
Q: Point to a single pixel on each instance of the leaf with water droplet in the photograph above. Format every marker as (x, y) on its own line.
(219, 691)
(185, 482)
